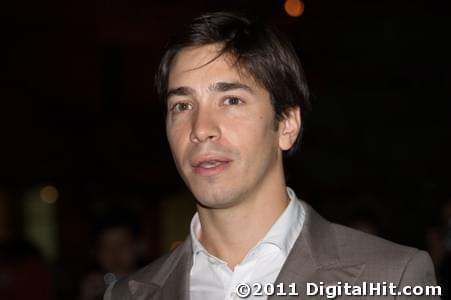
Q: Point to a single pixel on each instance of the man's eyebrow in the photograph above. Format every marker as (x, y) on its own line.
(215, 87)
(180, 91)
(228, 86)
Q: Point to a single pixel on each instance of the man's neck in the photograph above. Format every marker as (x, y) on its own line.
(230, 233)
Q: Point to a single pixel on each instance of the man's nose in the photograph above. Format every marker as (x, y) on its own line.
(205, 127)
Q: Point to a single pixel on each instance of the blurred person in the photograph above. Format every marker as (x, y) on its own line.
(116, 255)
(24, 274)
(439, 245)
(235, 97)
(364, 225)
(364, 220)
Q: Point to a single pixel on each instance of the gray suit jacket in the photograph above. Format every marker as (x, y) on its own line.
(324, 252)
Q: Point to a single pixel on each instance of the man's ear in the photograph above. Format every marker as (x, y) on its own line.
(289, 128)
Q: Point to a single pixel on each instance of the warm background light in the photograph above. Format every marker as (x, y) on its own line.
(49, 194)
(294, 8)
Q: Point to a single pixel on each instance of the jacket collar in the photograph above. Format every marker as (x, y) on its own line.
(171, 281)
(314, 258)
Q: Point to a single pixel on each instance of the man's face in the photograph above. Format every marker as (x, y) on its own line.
(220, 126)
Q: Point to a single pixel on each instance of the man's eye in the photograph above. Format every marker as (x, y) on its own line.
(182, 106)
(232, 101)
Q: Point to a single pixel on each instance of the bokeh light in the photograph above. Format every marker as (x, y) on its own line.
(49, 194)
(294, 8)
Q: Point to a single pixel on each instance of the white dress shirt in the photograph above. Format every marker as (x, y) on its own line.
(212, 279)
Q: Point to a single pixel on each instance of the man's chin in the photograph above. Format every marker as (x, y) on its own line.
(215, 198)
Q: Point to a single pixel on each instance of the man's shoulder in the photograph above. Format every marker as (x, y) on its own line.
(357, 243)
(380, 256)
(153, 273)
(148, 272)
(334, 246)
(352, 245)
(120, 289)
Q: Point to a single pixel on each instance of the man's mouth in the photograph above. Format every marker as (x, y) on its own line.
(210, 167)
(209, 164)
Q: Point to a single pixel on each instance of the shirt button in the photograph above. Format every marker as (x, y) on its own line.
(211, 260)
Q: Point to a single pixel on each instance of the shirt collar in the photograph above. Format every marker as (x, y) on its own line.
(288, 226)
(283, 233)
(195, 233)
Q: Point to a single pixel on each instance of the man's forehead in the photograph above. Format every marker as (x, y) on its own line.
(205, 51)
(209, 60)
(199, 58)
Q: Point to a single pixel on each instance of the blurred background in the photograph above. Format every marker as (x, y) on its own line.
(88, 189)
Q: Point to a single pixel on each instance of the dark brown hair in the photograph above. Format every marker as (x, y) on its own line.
(256, 48)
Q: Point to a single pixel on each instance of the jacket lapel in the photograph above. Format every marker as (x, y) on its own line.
(170, 282)
(315, 258)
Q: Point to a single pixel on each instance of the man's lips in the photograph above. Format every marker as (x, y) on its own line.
(210, 165)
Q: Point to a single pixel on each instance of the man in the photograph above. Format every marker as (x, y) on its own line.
(116, 254)
(235, 92)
